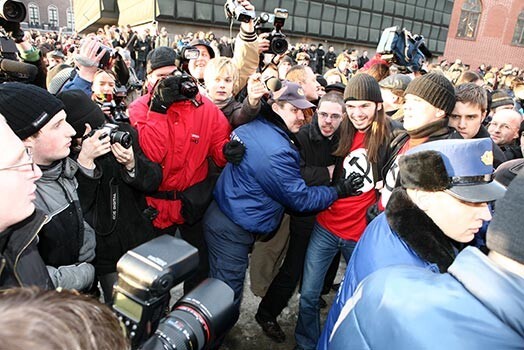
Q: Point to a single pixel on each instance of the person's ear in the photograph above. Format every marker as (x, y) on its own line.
(483, 116)
(440, 114)
(275, 107)
(422, 199)
(379, 106)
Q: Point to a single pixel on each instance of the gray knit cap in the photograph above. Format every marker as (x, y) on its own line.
(434, 88)
(362, 87)
(506, 230)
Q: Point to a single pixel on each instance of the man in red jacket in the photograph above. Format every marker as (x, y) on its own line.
(180, 133)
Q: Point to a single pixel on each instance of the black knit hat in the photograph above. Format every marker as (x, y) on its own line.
(506, 231)
(362, 87)
(434, 88)
(27, 108)
(500, 98)
(80, 109)
(162, 56)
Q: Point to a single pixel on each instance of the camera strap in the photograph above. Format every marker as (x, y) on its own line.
(166, 195)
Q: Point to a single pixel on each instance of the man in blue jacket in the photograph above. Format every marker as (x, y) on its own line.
(250, 197)
(441, 204)
(477, 304)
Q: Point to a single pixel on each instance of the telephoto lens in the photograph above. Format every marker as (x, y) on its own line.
(197, 320)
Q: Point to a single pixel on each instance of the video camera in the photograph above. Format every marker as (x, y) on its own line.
(404, 49)
(11, 69)
(141, 297)
(278, 43)
(232, 9)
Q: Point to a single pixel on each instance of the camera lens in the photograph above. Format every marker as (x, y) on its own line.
(188, 89)
(279, 45)
(13, 11)
(198, 319)
(122, 137)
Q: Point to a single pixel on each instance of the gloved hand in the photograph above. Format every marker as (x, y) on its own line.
(234, 151)
(79, 277)
(350, 186)
(166, 93)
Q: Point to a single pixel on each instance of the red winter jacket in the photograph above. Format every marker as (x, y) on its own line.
(180, 141)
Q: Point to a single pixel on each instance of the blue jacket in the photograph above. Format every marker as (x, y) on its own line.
(382, 246)
(476, 305)
(253, 194)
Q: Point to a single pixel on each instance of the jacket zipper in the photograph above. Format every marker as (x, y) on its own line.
(25, 247)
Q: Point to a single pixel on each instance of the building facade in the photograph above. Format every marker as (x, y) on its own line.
(487, 31)
(49, 14)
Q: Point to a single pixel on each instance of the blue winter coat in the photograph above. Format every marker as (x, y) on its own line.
(253, 194)
(476, 305)
(378, 247)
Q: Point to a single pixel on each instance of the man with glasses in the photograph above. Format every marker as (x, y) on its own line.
(66, 242)
(317, 142)
(20, 262)
(504, 131)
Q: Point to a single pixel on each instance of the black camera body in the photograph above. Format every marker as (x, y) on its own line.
(278, 44)
(141, 296)
(115, 135)
(404, 49)
(233, 9)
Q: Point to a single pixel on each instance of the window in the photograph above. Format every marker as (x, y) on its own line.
(518, 36)
(469, 19)
(34, 14)
(70, 18)
(53, 16)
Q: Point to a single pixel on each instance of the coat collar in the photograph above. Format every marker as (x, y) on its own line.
(419, 231)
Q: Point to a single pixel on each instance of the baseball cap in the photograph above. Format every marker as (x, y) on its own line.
(462, 168)
(292, 93)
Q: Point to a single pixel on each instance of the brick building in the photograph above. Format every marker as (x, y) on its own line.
(486, 31)
(49, 14)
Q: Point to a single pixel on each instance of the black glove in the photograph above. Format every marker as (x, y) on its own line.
(350, 186)
(166, 93)
(234, 151)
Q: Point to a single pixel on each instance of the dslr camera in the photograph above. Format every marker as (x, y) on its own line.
(277, 40)
(404, 49)
(115, 135)
(141, 297)
(233, 9)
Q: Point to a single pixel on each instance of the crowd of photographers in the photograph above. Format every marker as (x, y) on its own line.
(264, 155)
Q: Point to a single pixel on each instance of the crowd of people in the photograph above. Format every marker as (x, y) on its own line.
(277, 162)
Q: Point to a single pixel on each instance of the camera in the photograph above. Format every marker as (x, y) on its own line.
(105, 61)
(233, 9)
(404, 49)
(141, 297)
(278, 44)
(12, 11)
(115, 135)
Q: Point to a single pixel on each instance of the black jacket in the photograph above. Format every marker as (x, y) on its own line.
(115, 209)
(316, 154)
(20, 262)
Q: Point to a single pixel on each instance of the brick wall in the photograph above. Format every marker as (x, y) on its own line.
(494, 33)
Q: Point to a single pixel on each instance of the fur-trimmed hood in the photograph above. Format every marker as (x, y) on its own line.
(419, 231)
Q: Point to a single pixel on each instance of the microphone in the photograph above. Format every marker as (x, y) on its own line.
(25, 70)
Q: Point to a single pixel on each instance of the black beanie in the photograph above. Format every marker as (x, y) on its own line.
(434, 88)
(162, 56)
(27, 108)
(506, 231)
(80, 109)
(362, 87)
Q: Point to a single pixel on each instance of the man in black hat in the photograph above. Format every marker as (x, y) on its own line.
(477, 304)
(66, 242)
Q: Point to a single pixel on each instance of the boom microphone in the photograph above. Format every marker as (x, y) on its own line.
(21, 69)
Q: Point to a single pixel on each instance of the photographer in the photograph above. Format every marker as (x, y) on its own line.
(104, 84)
(116, 208)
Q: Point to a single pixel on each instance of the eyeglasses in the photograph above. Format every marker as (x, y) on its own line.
(324, 116)
(30, 161)
(502, 126)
